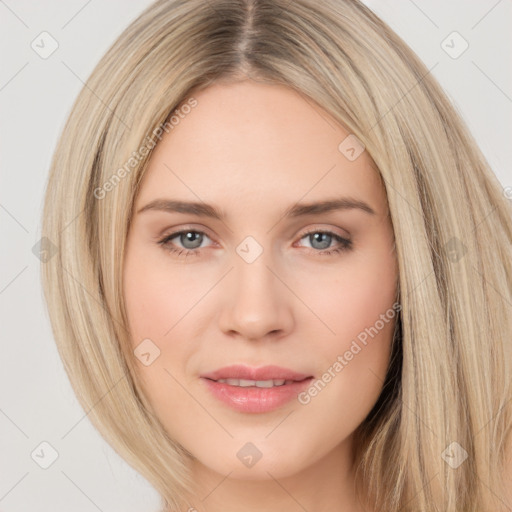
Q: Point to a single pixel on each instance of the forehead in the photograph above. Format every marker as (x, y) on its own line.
(249, 140)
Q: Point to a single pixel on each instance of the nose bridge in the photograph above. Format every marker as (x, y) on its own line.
(254, 278)
(257, 303)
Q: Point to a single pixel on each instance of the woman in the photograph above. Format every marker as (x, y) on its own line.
(256, 368)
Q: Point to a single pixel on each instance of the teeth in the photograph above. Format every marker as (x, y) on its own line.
(243, 383)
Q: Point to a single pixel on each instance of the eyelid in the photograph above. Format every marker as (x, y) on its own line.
(176, 230)
(330, 229)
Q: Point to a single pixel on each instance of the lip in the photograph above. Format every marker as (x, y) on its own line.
(254, 399)
(239, 371)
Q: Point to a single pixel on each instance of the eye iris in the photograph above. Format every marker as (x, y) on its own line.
(324, 244)
(191, 236)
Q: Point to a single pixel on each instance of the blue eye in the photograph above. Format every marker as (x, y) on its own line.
(344, 243)
(185, 239)
(191, 240)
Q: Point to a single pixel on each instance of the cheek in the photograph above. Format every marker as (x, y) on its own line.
(158, 297)
(360, 309)
(355, 296)
(159, 306)
(164, 304)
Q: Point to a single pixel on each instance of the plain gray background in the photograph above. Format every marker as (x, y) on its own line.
(36, 94)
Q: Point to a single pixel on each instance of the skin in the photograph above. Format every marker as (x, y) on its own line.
(253, 150)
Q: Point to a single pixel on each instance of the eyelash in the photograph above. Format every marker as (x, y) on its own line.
(345, 244)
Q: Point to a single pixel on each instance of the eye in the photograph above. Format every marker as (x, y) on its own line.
(192, 240)
(322, 240)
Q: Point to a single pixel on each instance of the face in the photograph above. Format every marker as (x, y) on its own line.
(268, 279)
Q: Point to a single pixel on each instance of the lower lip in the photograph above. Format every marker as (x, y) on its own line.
(254, 399)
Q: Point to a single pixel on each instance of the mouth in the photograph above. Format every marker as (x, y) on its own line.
(248, 383)
(255, 395)
(246, 376)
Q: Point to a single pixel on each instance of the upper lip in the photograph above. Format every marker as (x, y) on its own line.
(239, 371)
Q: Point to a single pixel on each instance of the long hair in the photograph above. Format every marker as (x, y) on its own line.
(448, 392)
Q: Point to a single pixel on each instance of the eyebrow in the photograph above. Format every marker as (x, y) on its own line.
(298, 210)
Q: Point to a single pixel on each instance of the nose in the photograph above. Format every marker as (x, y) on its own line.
(256, 304)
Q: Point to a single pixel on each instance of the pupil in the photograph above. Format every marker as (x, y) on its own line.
(318, 237)
(190, 236)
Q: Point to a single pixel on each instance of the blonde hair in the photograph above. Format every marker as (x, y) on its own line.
(450, 377)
